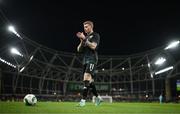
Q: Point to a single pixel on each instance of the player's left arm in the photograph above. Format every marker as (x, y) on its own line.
(91, 45)
(94, 43)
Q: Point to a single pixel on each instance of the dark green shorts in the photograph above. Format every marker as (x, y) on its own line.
(89, 68)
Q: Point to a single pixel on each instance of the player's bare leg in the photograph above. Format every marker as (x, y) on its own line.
(87, 78)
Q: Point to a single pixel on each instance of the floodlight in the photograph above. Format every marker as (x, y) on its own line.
(13, 30)
(8, 63)
(15, 51)
(160, 61)
(172, 45)
(163, 70)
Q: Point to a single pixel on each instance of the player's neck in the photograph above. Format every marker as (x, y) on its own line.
(90, 32)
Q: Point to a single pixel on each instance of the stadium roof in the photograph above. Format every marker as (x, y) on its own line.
(125, 27)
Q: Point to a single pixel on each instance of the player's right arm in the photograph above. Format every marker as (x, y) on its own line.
(80, 46)
(81, 36)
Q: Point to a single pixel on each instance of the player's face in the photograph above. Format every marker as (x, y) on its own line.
(87, 28)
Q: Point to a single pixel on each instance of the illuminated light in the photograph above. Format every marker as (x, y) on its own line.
(8, 63)
(22, 69)
(160, 61)
(13, 30)
(164, 70)
(31, 58)
(15, 51)
(172, 45)
(151, 75)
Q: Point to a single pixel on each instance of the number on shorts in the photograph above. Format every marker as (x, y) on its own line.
(91, 67)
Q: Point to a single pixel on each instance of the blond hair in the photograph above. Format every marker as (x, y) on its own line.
(89, 22)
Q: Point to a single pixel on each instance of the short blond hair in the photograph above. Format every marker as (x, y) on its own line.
(89, 22)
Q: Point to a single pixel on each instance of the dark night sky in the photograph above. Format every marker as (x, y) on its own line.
(124, 27)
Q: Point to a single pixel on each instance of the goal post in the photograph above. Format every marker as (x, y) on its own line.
(105, 99)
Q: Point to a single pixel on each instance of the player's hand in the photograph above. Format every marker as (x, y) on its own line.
(81, 35)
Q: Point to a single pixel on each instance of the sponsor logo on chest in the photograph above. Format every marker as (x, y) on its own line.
(90, 37)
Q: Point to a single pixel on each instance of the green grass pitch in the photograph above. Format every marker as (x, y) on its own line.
(90, 108)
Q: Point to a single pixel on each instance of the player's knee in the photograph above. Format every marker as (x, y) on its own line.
(86, 83)
(87, 74)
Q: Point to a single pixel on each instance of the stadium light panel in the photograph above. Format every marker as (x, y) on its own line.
(15, 51)
(21, 69)
(8, 63)
(151, 75)
(31, 58)
(172, 45)
(13, 30)
(163, 70)
(160, 61)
